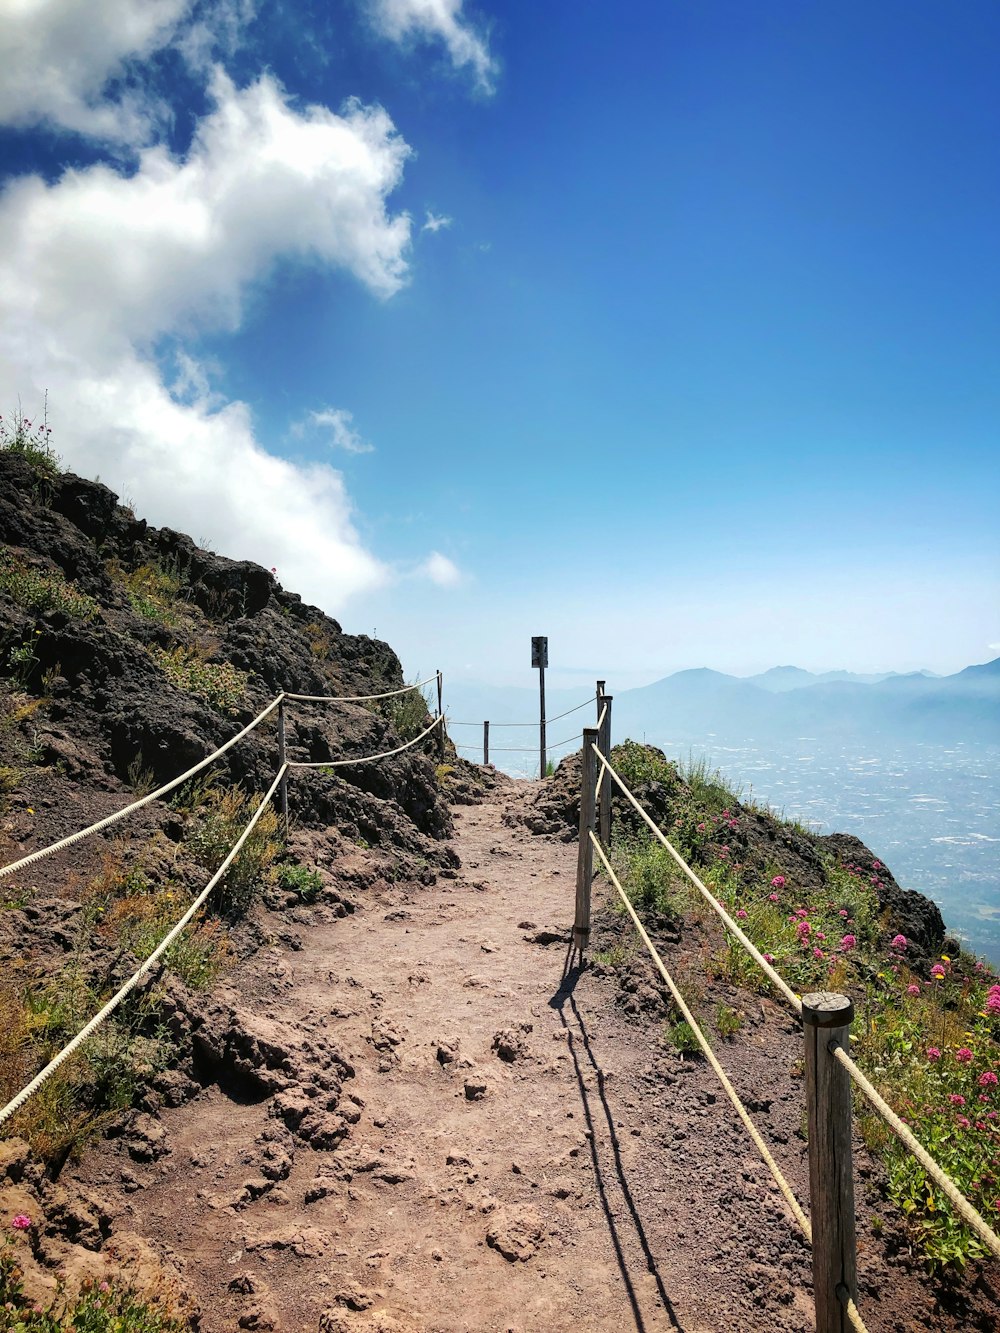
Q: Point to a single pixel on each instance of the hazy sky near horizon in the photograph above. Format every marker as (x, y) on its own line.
(668, 329)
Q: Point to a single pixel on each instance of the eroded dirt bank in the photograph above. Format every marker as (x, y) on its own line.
(508, 1148)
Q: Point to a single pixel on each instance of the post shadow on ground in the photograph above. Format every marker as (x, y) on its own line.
(576, 1035)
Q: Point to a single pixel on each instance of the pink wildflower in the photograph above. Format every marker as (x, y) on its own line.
(898, 942)
(701, 828)
(913, 990)
(963, 1055)
(876, 865)
(741, 914)
(844, 913)
(768, 958)
(104, 1286)
(21, 1222)
(772, 897)
(933, 1053)
(993, 1000)
(817, 953)
(956, 1099)
(938, 971)
(778, 882)
(820, 935)
(848, 942)
(963, 1121)
(988, 1080)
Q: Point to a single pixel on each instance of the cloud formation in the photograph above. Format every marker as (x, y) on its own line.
(58, 57)
(437, 20)
(337, 422)
(99, 267)
(440, 570)
(435, 223)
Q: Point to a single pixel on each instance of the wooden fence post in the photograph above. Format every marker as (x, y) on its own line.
(486, 742)
(585, 855)
(283, 789)
(604, 745)
(600, 692)
(826, 1018)
(440, 730)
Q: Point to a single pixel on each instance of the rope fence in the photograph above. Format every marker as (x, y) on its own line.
(17, 1102)
(829, 1070)
(277, 786)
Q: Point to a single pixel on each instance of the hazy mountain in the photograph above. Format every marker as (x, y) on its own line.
(781, 678)
(691, 706)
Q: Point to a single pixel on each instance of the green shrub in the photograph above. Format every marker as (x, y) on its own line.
(36, 591)
(225, 815)
(408, 714)
(648, 874)
(638, 764)
(307, 883)
(152, 589)
(220, 684)
(680, 1036)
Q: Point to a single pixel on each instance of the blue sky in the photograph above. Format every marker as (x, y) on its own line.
(668, 329)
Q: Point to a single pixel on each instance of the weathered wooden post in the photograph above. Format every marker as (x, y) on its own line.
(540, 659)
(826, 1019)
(283, 789)
(600, 691)
(486, 742)
(440, 730)
(585, 854)
(604, 745)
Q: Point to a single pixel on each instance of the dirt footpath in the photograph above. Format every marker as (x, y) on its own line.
(523, 1156)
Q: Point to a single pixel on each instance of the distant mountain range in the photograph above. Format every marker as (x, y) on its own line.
(691, 706)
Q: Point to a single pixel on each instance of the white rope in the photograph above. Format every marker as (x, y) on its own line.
(558, 717)
(17, 1102)
(709, 897)
(755, 1134)
(357, 698)
(368, 758)
(137, 805)
(943, 1181)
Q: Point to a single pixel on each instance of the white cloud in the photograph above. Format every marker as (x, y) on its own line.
(435, 223)
(440, 570)
(338, 422)
(57, 57)
(403, 20)
(98, 267)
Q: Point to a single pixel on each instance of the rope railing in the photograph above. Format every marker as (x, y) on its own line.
(941, 1179)
(359, 698)
(774, 977)
(167, 787)
(110, 820)
(368, 758)
(558, 718)
(523, 749)
(826, 1019)
(17, 1102)
(689, 1018)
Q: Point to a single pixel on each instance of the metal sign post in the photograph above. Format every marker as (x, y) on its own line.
(540, 659)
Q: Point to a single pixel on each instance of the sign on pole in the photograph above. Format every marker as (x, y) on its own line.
(540, 651)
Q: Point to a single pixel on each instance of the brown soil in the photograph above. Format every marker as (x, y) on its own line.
(515, 1148)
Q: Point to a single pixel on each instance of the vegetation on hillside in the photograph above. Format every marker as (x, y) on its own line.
(927, 1031)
